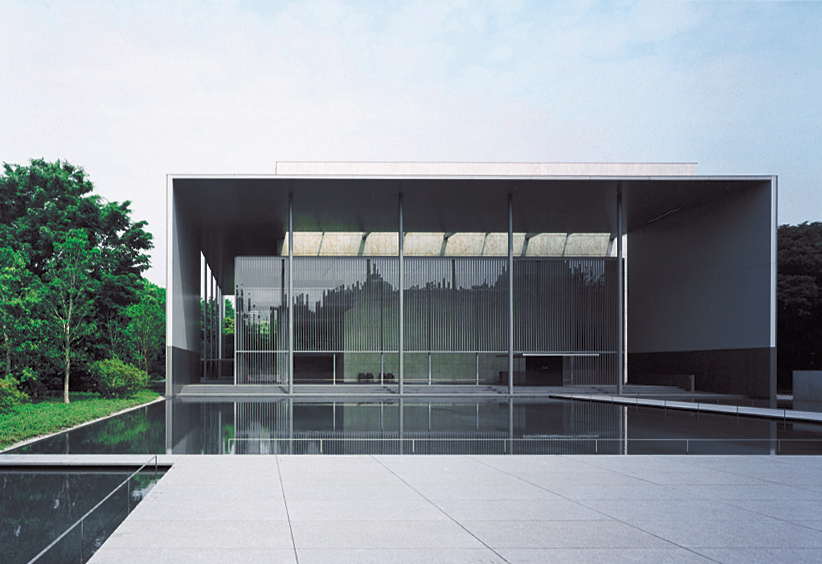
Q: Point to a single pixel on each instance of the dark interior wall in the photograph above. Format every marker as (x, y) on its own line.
(701, 291)
(734, 371)
(183, 301)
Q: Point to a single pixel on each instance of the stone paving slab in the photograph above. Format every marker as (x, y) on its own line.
(494, 509)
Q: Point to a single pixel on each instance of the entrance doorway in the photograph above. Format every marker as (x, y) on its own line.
(313, 368)
(543, 371)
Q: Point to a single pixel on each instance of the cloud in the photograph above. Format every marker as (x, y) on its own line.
(135, 90)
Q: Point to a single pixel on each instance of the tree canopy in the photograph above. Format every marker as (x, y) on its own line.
(71, 266)
(799, 300)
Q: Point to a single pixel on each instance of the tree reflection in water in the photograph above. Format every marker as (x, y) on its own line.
(35, 508)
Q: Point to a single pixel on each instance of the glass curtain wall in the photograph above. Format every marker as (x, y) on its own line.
(261, 323)
(456, 319)
(346, 319)
(565, 311)
(455, 311)
(455, 294)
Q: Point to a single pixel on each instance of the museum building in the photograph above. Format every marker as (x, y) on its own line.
(479, 274)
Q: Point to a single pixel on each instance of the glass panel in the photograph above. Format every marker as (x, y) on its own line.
(565, 305)
(455, 305)
(261, 323)
(345, 304)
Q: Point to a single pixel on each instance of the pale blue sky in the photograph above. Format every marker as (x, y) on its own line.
(134, 90)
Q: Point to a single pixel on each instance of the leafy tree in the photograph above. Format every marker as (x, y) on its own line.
(18, 299)
(799, 297)
(59, 240)
(228, 330)
(146, 327)
(68, 295)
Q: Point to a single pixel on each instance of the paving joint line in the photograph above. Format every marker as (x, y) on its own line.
(441, 510)
(287, 514)
(692, 551)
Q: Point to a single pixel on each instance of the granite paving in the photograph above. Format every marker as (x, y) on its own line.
(493, 509)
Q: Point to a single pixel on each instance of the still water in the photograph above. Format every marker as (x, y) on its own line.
(36, 507)
(450, 426)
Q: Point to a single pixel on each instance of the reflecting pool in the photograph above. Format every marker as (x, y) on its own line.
(416, 426)
(37, 507)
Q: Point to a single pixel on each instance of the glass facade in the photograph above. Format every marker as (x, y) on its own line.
(345, 312)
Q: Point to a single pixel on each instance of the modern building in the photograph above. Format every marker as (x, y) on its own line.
(506, 274)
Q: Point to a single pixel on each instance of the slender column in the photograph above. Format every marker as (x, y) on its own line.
(621, 300)
(510, 425)
(400, 379)
(220, 317)
(401, 422)
(236, 338)
(205, 317)
(290, 418)
(290, 374)
(510, 293)
(212, 313)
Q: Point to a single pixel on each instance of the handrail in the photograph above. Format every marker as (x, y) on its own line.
(92, 510)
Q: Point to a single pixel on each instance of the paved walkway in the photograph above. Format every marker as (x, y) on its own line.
(784, 414)
(452, 509)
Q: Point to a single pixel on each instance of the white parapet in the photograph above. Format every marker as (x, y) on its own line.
(361, 169)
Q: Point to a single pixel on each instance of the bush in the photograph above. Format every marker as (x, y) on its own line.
(115, 378)
(31, 383)
(10, 395)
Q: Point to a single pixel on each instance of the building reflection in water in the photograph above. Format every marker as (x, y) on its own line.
(403, 426)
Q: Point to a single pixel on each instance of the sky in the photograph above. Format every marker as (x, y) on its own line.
(135, 90)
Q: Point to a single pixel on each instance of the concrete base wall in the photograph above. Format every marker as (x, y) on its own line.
(186, 367)
(807, 390)
(735, 371)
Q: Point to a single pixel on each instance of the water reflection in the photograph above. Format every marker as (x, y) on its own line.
(35, 508)
(401, 426)
(140, 431)
(416, 426)
(471, 427)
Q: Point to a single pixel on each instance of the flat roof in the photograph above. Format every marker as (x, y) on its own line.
(238, 215)
(335, 168)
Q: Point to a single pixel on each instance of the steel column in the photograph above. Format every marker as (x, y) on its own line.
(220, 317)
(205, 317)
(401, 327)
(510, 293)
(290, 372)
(621, 298)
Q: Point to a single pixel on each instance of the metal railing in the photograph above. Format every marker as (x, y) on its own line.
(82, 520)
(521, 445)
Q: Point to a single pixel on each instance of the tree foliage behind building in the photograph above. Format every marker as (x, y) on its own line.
(799, 298)
(71, 278)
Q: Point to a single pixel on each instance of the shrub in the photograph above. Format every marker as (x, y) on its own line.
(10, 395)
(115, 378)
(31, 383)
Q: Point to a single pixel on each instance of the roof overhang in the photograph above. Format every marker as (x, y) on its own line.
(248, 214)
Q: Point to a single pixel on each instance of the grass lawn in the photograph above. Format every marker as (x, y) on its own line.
(51, 415)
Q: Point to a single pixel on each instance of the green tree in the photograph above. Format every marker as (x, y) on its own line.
(68, 295)
(228, 330)
(45, 208)
(799, 300)
(146, 326)
(17, 301)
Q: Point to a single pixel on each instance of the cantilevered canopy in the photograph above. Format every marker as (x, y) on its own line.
(236, 216)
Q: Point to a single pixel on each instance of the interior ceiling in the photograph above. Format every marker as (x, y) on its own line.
(249, 216)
